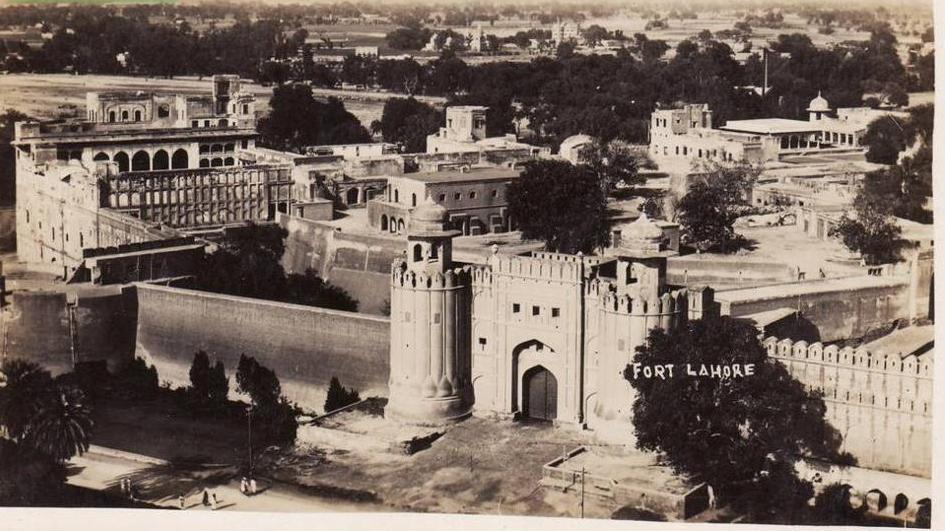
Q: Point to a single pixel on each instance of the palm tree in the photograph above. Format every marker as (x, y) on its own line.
(63, 427)
(27, 387)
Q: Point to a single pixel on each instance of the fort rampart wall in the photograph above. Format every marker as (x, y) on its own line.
(880, 403)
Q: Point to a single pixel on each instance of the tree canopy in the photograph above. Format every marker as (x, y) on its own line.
(407, 122)
(297, 120)
(248, 264)
(561, 204)
(708, 211)
(741, 434)
(872, 230)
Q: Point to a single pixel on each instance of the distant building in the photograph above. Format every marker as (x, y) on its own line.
(475, 200)
(465, 132)
(141, 167)
(687, 134)
(572, 148)
(566, 31)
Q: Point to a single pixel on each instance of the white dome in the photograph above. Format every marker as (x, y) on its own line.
(819, 104)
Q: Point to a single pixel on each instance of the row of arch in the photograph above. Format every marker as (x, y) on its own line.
(217, 161)
(392, 224)
(217, 148)
(141, 161)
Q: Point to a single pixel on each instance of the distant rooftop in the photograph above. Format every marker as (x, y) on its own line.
(474, 174)
(771, 126)
(912, 340)
(807, 288)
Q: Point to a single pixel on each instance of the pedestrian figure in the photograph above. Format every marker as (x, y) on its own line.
(244, 486)
(121, 485)
(180, 501)
(133, 491)
(213, 500)
(206, 497)
(252, 485)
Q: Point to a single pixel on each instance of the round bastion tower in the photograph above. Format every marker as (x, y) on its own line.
(637, 302)
(430, 359)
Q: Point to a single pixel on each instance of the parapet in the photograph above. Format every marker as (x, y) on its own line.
(668, 303)
(910, 365)
(545, 266)
(452, 278)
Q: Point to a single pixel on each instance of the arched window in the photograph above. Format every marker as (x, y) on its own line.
(784, 142)
(228, 161)
(434, 254)
(111, 116)
(179, 159)
(164, 111)
(383, 221)
(204, 148)
(216, 148)
(229, 147)
(204, 163)
(100, 157)
(122, 159)
(224, 122)
(417, 253)
(400, 226)
(137, 116)
(161, 161)
(397, 196)
(124, 116)
(413, 199)
(140, 161)
(216, 161)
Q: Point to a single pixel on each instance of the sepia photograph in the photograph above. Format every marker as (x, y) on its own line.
(616, 263)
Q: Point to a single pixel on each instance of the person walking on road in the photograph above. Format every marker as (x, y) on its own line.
(213, 501)
(252, 486)
(244, 486)
(206, 497)
(180, 501)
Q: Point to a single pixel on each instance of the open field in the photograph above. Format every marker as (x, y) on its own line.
(48, 96)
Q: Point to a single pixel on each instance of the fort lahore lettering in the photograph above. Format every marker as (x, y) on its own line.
(664, 371)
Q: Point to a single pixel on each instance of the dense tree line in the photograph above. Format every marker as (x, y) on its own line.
(604, 96)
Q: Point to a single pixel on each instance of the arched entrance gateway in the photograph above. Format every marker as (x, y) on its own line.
(539, 394)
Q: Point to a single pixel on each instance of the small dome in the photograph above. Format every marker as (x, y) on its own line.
(643, 228)
(819, 104)
(643, 237)
(429, 210)
(428, 216)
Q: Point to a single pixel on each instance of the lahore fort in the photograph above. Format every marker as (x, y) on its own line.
(119, 207)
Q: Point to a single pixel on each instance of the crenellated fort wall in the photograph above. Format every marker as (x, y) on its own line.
(880, 403)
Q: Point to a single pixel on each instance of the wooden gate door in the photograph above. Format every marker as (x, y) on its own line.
(541, 394)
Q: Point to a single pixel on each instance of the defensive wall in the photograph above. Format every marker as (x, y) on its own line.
(838, 308)
(881, 403)
(719, 271)
(38, 326)
(358, 263)
(304, 345)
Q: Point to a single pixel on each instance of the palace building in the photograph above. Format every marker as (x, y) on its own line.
(545, 336)
(141, 168)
